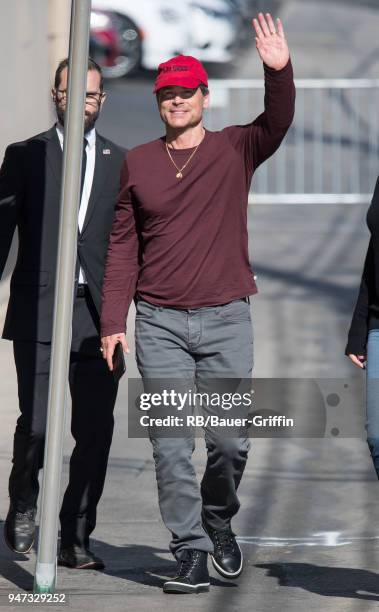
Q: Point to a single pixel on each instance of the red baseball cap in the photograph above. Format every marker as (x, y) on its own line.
(183, 71)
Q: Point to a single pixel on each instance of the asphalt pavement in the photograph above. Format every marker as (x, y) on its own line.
(309, 516)
(308, 524)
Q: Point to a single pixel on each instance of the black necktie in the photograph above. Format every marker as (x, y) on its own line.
(84, 165)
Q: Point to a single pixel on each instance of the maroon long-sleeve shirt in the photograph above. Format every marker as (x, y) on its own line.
(183, 242)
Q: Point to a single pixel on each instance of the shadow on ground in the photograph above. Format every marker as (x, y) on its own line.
(135, 563)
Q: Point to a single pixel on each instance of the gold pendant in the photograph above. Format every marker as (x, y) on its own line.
(179, 175)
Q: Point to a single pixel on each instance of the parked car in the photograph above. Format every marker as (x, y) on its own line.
(214, 30)
(115, 43)
(207, 29)
(158, 26)
(104, 45)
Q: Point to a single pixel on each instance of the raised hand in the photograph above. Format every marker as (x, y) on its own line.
(270, 41)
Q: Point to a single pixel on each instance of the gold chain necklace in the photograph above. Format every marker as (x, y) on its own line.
(179, 174)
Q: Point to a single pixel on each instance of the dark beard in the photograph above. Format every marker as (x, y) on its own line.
(89, 120)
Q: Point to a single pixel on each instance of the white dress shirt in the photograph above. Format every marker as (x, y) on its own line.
(88, 179)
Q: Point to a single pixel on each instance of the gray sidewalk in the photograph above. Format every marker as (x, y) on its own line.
(309, 518)
(291, 492)
(309, 521)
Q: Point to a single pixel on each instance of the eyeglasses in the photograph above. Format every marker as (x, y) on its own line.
(171, 94)
(91, 96)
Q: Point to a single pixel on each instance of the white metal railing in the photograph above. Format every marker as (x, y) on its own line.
(330, 153)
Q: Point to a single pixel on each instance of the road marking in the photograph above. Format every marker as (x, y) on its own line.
(323, 538)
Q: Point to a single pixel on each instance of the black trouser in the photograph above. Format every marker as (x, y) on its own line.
(93, 394)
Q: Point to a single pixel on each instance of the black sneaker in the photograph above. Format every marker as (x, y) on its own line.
(19, 530)
(192, 574)
(76, 557)
(227, 556)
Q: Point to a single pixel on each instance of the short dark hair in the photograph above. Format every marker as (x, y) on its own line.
(92, 65)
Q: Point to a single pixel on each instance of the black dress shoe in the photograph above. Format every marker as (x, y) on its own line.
(192, 574)
(79, 558)
(227, 556)
(19, 530)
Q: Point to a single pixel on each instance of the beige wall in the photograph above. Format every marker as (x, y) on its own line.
(59, 28)
(34, 37)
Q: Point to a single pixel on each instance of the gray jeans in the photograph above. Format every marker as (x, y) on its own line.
(199, 346)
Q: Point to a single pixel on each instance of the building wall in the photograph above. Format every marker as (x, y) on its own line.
(59, 29)
(34, 36)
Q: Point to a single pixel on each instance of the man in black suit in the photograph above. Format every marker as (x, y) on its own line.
(30, 182)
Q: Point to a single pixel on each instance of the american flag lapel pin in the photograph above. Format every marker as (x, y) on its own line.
(106, 151)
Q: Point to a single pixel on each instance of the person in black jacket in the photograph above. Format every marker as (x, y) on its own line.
(30, 183)
(363, 339)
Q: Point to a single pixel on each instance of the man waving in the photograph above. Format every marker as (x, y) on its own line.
(179, 245)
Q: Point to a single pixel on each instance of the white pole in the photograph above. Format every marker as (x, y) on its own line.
(45, 576)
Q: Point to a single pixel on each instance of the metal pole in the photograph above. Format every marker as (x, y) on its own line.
(45, 576)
